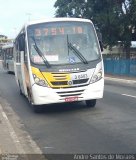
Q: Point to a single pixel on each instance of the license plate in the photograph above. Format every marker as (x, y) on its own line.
(77, 76)
(71, 99)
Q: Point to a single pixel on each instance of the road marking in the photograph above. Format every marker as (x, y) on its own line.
(129, 95)
(120, 80)
(48, 147)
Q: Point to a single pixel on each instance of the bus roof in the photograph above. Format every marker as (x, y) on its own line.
(63, 19)
(57, 20)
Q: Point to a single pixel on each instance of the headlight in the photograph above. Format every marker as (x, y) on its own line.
(96, 76)
(40, 81)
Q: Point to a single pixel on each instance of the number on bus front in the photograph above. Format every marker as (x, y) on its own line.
(80, 76)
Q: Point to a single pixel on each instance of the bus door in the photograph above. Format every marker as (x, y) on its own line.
(21, 66)
(10, 60)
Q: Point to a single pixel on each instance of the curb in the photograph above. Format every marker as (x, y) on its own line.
(16, 143)
(10, 136)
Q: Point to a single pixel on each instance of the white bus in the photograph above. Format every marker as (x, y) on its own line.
(7, 57)
(59, 60)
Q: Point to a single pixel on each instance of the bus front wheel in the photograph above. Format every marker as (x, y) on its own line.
(36, 108)
(91, 103)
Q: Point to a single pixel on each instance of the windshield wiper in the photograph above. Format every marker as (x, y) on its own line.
(77, 52)
(40, 53)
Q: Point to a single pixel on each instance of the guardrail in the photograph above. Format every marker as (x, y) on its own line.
(120, 67)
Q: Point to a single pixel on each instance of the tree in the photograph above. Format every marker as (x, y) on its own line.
(3, 39)
(70, 8)
(105, 16)
(127, 24)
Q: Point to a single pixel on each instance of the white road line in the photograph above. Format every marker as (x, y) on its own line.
(120, 80)
(12, 132)
(49, 147)
(129, 95)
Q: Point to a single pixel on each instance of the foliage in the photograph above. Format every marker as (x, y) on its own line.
(3, 39)
(114, 18)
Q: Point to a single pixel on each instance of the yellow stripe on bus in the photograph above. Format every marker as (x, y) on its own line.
(53, 77)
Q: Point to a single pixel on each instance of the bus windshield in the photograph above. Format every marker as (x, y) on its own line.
(63, 42)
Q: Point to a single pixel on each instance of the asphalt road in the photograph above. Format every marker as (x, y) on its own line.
(110, 127)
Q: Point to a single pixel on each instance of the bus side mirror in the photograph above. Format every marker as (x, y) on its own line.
(101, 46)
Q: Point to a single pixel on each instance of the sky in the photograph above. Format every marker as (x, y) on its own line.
(15, 13)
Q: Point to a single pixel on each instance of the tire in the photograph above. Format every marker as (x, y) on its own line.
(36, 108)
(7, 66)
(29, 96)
(91, 103)
(20, 91)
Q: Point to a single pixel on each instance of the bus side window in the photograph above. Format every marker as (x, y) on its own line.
(19, 46)
(22, 45)
(21, 42)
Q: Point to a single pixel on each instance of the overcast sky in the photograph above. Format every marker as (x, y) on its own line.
(14, 13)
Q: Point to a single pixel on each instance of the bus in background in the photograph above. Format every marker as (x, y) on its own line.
(7, 57)
(59, 60)
(0, 51)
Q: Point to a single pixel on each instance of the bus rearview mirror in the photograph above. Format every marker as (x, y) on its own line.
(101, 46)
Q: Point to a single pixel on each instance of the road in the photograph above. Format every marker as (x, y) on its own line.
(110, 127)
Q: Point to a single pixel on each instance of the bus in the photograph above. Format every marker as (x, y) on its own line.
(59, 60)
(7, 57)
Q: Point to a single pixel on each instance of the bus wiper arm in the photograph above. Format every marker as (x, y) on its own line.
(79, 54)
(40, 53)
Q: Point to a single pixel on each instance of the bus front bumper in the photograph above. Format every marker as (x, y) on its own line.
(43, 95)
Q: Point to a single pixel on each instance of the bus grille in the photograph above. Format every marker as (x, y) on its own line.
(64, 80)
(70, 93)
(58, 76)
(58, 83)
